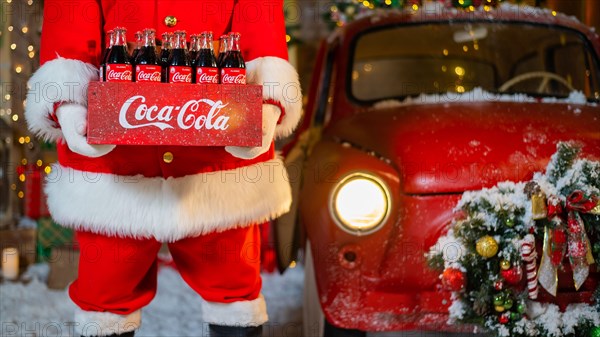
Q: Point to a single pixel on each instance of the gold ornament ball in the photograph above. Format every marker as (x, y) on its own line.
(500, 308)
(487, 246)
(505, 264)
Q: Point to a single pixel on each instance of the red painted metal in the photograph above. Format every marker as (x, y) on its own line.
(427, 155)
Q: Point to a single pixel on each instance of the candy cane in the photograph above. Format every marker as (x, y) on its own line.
(530, 257)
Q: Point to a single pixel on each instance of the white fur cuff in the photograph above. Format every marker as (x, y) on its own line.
(94, 323)
(59, 80)
(280, 83)
(241, 313)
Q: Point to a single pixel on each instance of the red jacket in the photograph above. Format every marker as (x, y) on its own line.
(166, 192)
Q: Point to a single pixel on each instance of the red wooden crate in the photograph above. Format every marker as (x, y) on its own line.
(174, 114)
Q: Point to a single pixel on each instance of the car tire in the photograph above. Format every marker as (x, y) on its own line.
(314, 322)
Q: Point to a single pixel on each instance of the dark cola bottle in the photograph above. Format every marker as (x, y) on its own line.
(207, 70)
(165, 51)
(118, 65)
(222, 50)
(138, 46)
(179, 69)
(147, 67)
(194, 48)
(109, 42)
(233, 70)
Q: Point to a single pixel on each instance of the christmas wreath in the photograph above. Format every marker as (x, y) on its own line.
(510, 241)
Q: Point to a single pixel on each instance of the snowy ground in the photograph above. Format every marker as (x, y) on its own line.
(32, 309)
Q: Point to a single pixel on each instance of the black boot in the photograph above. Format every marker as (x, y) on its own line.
(234, 331)
(125, 334)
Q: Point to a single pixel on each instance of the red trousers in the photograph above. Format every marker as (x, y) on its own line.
(119, 275)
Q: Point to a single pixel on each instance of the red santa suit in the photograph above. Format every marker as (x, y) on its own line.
(138, 196)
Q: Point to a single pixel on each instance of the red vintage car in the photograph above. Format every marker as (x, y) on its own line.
(407, 110)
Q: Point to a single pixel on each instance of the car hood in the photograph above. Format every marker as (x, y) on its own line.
(451, 148)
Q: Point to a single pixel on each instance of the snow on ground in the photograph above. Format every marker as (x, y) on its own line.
(33, 310)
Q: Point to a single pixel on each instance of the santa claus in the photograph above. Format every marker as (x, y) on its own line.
(124, 201)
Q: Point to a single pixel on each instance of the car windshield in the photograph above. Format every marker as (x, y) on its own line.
(539, 60)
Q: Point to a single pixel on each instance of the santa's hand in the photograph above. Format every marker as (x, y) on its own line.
(72, 118)
(270, 114)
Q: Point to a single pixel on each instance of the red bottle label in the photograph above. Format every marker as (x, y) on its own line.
(233, 76)
(207, 75)
(180, 74)
(118, 73)
(147, 73)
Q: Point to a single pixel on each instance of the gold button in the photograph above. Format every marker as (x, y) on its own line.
(170, 21)
(168, 157)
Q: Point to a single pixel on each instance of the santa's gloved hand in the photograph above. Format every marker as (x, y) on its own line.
(270, 114)
(72, 118)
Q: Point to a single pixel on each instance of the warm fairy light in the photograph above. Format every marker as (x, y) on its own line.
(47, 169)
(554, 13)
(472, 8)
(460, 71)
(13, 187)
(31, 54)
(487, 8)
(388, 2)
(25, 29)
(288, 38)
(461, 2)
(415, 7)
(15, 117)
(444, 68)
(21, 177)
(465, 48)
(24, 161)
(39, 163)
(476, 46)
(27, 139)
(21, 140)
(7, 97)
(293, 263)
(366, 3)
(445, 52)
(10, 28)
(30, 2)
(18, 69)
(13, 46)
(334, 9)
(8, 1)
(30, 48)
(21, 194)
(460, 89)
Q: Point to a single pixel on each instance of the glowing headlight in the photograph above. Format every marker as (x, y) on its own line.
(360, 203)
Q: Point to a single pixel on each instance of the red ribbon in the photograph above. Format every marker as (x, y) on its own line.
(576, 202)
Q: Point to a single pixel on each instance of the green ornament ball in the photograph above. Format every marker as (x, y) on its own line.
(498, 300)
(508, 303)
(515, 316)
(595, 332)
(510, 222)
(521, 308)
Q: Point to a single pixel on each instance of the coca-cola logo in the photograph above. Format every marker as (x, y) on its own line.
(236, 79)
(114, 75)
(207, 78)
(186, 116)
(148, 76)
(178, 77)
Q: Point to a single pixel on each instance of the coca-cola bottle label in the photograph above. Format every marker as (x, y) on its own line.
(233, 76)
(118, 72)
(180, 74)
(207, 75)
(147, 73)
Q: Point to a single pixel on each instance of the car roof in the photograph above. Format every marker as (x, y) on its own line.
(436, 12)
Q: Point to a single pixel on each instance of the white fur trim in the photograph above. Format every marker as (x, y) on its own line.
(56, 81)
(95, 323)
(240, 313)
(280, 83)
(168, 209)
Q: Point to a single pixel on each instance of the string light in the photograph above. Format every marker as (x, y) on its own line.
(24, 161)
(10, 28)
(30, 2)
(15, 117)
(21, 194)
(13, 46)
(7, 98)
(25, 30)
(8, 1)
(30, 48)
(47, 169)
(31, 54)
(22, 177)
(21, 140)
(39, 163)
(27, 139)
(18, 69)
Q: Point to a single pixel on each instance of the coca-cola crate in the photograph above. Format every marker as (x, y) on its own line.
(146, 113)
